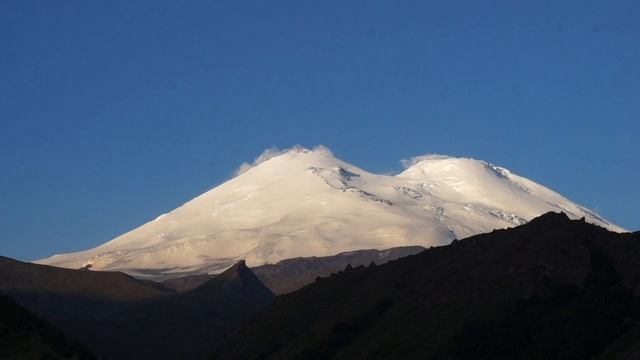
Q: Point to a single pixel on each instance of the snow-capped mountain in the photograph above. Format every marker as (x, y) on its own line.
(303, 202)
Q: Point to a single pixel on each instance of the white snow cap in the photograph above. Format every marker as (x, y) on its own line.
(274, 151)
(301, 202)
(407, 163)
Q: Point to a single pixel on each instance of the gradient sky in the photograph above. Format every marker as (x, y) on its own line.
(113, 112)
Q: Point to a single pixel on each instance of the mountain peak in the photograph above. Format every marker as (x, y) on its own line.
(555, 219)
(444, 165)
(296, 156)
(552, 217)
(299, 149)
(238, 276)
(237, 269)
(303, 202)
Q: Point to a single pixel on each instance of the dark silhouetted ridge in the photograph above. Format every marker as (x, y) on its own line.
(187, 325)
(554, 288)
(291, 274)
(18, 278)
(24, 335)
(550, 219)
(119, 317)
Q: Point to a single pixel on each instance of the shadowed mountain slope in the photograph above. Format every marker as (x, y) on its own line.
(289, 275)
(554, 288)
(119, 317)
(187, 325)
(17, 277)
(75, 301)
(23, 335)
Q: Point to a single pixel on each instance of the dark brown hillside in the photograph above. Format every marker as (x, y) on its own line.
(550, 289)
(185, 325)
(18, 277)
(23, 335)
(119, 317)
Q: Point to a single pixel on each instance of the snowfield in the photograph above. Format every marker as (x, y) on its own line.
(303, 202)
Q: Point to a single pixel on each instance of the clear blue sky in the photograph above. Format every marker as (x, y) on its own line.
(113, 112)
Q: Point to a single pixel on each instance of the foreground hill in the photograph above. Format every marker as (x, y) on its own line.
(551, 289)
(185, 325)
(27, 280)
(291, 274)
(119, 317)
(302, 203)
(23, 335)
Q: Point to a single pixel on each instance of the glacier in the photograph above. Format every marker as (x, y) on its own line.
(306, 202)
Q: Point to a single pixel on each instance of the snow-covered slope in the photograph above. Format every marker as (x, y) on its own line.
(308, 203)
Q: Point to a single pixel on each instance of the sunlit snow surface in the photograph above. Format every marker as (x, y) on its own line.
(308, 203)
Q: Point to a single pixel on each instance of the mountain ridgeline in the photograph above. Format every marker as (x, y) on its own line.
(554, 288)
(291, 274)
(303, 203)
(118, 317)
